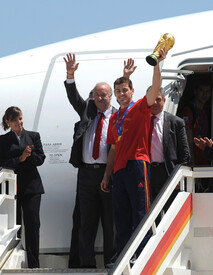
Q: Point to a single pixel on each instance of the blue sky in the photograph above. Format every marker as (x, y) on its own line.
(26, 24)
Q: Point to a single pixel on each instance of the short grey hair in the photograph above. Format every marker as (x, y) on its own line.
(102, 83)
(162, 91)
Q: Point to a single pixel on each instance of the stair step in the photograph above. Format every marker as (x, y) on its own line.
(56, 271)
(181, 271)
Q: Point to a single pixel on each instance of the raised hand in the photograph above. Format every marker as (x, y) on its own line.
(71, 65)
(129, 67)
(163, 54)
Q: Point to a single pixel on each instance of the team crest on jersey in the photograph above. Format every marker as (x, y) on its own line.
(140, 184)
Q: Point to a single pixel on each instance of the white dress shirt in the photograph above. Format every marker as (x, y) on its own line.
(157, 139)
(70, 80)
(89, 136)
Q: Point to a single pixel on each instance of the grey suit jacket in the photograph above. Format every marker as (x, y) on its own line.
(175, 143)
(87, 111)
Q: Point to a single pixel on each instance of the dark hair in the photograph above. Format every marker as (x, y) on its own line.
(122, 80)
(10, 114)
(202, 80)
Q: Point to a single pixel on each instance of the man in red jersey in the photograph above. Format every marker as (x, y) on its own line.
(129, 159)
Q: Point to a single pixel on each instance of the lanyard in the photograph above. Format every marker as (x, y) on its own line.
(119, 128)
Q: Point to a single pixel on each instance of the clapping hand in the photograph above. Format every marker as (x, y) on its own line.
(201, 143)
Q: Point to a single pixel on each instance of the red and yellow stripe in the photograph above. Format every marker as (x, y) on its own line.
(169, 239)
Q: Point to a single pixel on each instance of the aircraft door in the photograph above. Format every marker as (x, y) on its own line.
(55, 121)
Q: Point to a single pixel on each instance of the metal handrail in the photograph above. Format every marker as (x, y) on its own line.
(7, 181)
(181, 174)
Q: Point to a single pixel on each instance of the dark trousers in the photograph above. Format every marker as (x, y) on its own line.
(130, 201)
(159, 176)
(94, 204)
(74, 257)
(30, 205)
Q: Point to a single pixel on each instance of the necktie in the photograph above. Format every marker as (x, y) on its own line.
(96, 145)
(150, 132)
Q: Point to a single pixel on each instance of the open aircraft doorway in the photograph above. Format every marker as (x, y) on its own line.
(197, 96)
(202, 68)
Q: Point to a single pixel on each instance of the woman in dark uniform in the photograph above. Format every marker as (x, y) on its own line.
(22, 151)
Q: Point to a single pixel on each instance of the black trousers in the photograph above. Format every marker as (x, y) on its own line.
(94, 204)
(74, 257)
(30, 205)
(159, 176)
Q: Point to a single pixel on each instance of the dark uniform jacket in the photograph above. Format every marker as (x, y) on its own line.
(28, 178)
(208, 153)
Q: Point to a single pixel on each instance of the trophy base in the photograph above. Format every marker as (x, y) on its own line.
(152, 59)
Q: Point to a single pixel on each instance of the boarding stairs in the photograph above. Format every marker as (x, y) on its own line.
(8, 227)
(182, 243)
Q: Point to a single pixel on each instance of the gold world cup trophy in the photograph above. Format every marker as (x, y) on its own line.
(167, 40)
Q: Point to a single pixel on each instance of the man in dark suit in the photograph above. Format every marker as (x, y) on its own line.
(91, 202)
(169, 145)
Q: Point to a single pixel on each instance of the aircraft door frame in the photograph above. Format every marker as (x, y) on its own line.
(200, 66)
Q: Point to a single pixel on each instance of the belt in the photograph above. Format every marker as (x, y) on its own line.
(94, 165)
(157, 164)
